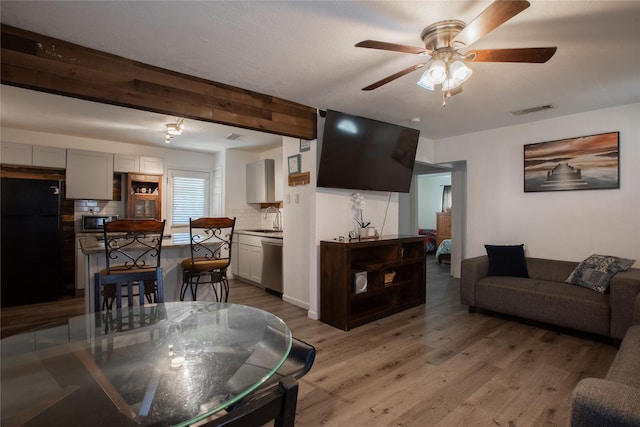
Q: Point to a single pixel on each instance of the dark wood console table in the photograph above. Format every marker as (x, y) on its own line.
(395, 271)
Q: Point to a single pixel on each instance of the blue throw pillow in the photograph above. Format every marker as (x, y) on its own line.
(507, 260)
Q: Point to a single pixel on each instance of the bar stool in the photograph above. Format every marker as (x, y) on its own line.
(132, 249)
(210, 244)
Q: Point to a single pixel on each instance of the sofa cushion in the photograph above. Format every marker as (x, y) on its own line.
(550, 302)
(550, 270)
(507, 260)
(596, 271)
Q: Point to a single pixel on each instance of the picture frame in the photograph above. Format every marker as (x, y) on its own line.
(294, 163)
(305, 145)
(589, 162)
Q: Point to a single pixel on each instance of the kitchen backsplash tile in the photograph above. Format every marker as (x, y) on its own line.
(246, 218)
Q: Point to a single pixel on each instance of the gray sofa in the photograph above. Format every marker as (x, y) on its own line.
(545, 297)
(614, 400)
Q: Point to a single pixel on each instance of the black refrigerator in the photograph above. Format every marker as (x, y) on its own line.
(31, 235)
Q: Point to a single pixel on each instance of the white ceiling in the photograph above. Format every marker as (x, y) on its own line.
(303, 51)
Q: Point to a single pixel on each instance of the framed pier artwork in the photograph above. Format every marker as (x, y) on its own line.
(583, 163)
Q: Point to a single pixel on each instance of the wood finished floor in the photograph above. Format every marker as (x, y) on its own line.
(433, 365)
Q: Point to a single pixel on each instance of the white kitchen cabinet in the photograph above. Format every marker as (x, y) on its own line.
(50, 157)
(151, 165)
(250, 258)
(261, 181)
(17, 154)
(89, 175)
(234, 256)
(126, 163)
(33, 155)
(131, 163)
(255, 259)
(244, 267)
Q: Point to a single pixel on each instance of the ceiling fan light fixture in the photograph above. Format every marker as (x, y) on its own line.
(455, 80)
(459, 71)
(443, 40)
(448, 72)
(436, 72)
(425, 83)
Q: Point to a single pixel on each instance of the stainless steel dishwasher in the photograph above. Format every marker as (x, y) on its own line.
(272, 265)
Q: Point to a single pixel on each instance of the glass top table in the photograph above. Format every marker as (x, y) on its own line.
(165, 364)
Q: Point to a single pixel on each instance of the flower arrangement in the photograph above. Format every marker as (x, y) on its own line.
(358, 207)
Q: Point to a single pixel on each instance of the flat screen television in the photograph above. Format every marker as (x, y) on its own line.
(365, 154)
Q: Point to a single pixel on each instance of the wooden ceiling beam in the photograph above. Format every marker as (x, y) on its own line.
(46, 64)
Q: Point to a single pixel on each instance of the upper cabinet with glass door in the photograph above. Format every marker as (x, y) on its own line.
(144, 196)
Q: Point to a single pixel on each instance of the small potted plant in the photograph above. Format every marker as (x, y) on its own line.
(358, 207)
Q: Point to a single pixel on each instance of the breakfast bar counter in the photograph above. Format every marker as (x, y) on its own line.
(93, 243)
(175, 248)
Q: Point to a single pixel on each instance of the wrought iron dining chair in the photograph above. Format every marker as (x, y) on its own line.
(210, 244)
(132, 250)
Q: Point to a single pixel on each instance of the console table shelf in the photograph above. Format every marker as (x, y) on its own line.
(400, 258)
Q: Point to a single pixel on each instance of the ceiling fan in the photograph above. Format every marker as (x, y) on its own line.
(444, 40)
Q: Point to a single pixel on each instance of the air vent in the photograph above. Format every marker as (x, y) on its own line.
(233, 136)
(533, 110)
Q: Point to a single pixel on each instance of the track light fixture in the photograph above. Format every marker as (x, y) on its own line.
(173, 129)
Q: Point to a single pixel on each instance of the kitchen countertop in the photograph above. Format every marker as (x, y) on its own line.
(90, 243)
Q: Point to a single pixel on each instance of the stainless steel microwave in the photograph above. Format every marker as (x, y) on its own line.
(95, 223)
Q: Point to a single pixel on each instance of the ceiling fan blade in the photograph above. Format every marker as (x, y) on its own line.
(491, 18)
(373, 44)
(393, 77)
(531, 54)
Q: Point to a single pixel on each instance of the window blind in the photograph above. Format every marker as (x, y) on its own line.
(189, 198)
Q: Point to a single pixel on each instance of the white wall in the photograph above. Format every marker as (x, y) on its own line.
(565, 225)
(299, 263)
(458, 216)
(313, 215)
(336, 215)
(430, 197)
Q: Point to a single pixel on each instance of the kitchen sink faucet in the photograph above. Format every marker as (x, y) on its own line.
(276, 223)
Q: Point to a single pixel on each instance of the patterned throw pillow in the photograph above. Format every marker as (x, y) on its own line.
(596, 271)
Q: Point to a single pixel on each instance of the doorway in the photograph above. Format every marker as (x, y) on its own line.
(419, 207)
